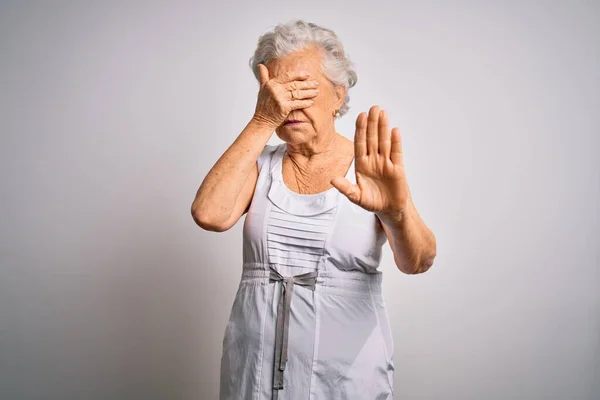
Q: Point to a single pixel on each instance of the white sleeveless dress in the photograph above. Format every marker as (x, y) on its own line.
(308, 320)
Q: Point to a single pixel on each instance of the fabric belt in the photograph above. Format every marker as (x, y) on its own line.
(308, 280)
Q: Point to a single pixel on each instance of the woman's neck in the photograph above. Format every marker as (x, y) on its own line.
(315, 152)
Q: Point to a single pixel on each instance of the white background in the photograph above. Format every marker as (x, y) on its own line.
(112, 113)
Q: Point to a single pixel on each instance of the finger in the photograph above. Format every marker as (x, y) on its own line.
(347, 188)
(372, 139)
(396, 149)
(384, 135)
(302, 94)
(302, 85)
(360, 136)
(292, 76)
(297, 104)
(264, 74)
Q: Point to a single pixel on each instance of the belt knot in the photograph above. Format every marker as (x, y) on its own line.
(307, 280)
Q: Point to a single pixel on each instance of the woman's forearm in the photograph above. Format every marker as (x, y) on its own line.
(413, 242)
(220, 188)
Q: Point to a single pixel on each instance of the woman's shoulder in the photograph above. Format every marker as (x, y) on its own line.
(267, 153)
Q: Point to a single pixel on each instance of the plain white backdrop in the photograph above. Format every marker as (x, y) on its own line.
(112, 113)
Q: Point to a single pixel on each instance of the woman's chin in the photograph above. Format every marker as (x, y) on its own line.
(291, 136)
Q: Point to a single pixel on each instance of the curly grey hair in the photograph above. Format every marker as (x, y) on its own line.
(295, 36)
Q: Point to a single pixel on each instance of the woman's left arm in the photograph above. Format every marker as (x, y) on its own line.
(412, 242)
(383, 189)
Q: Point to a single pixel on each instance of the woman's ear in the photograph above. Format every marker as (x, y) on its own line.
(340, 92)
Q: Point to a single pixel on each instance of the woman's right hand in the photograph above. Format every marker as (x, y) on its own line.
(275, 101)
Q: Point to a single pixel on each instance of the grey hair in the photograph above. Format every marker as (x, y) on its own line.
(296, 35)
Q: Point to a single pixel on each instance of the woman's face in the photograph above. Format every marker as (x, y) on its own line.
(318, 118)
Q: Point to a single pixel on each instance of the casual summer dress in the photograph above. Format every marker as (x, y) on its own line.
(308, 320)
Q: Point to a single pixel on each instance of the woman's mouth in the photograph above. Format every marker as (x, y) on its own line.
(293, 122)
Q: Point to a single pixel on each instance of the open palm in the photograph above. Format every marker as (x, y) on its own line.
(381, 184)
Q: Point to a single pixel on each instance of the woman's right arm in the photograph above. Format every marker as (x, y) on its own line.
(227, 189)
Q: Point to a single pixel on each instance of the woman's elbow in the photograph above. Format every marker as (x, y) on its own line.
(203, 220)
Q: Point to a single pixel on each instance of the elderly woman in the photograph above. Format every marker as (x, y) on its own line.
(308, 320)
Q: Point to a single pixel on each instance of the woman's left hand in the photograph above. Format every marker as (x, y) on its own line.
(381, 181)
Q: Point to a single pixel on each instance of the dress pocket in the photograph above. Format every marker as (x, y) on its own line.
(352, 359)
(242, 343)
(387, 338)
(245, 319)
(229, 337)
